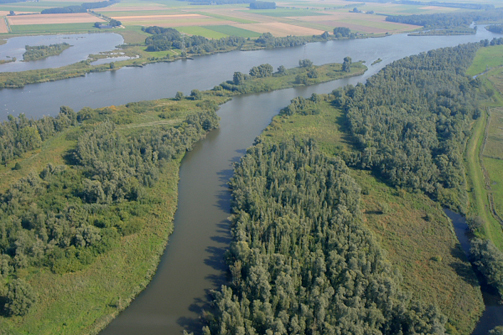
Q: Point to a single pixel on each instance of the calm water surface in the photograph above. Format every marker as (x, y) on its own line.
(163, 80)
(82, 45)
(493, 315)
(192, 263)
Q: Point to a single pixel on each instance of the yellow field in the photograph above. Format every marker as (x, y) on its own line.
(3, 25)
(53, 18)
(279, 29)
(359, 22)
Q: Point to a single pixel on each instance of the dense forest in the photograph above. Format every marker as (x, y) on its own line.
(43, 51)
(301, 260)
(448, 20)
(412, 119)
(64, 216)
(19, 135)
(163, 39)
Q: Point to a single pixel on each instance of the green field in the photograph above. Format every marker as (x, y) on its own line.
(225, 17)
(286, 12)
(486, 58)
(201, 31)
(232, 31)
(54, 28)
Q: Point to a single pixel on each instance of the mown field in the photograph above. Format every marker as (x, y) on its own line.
(412, 228)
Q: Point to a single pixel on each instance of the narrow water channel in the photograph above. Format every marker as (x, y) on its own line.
(193, 264)
(493, 315)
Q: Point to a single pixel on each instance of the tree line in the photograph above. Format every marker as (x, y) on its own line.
(78, 8)
(411, 120)
(447, 20)
(44, 51)
(301, 259)
(164, 39)
(19, 135)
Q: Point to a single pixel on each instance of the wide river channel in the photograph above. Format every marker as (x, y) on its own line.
(192, 264)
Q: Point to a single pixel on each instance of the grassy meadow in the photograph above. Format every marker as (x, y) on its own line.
(484, 150)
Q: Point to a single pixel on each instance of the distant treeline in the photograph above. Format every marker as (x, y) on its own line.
(262, 5)
(43, 51)
(447, 20)
(79, 9)
(412, 119)
(301, 259)
(438, 4)
(63, 217)
(169, 38)
(253, 3)
(495, 28)
(163, 39)
(11, 1)
(217, 2)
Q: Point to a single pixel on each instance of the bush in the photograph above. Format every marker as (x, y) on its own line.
(20, 298)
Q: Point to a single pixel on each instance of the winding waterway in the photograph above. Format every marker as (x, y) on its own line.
(192, 264)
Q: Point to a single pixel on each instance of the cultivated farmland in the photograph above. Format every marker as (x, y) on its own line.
(53, 19)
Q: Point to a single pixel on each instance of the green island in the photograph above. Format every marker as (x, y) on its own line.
(78, 191)
(349, 203)
(43, 51)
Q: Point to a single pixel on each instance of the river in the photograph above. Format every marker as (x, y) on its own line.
(192, 264)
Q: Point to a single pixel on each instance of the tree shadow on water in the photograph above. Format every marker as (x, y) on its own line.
(464, 268)
(203, 305)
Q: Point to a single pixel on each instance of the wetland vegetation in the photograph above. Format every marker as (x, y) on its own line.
(104, 174)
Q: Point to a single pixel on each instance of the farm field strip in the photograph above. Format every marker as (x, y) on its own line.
(166, 11)
(53, 19)
(287, 12)
(280, 29)
(233, 31)
(53, 28)
(3, 25)
(229, 16)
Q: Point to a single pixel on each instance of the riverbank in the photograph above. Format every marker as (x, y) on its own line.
(85, 299)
